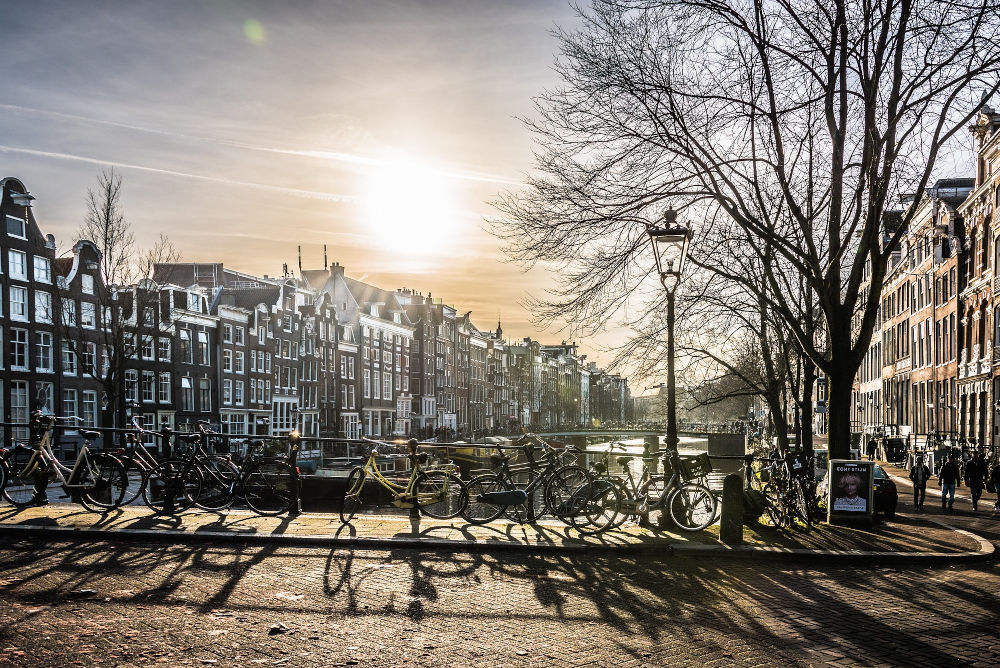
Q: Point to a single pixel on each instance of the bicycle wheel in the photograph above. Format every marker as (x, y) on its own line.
(800, 504)
(627, 504)
(773, 516)
(269, 487)
(601, 509)
(534, 507)
(351, 501)
(440, 494)
(107, 482)
(136, 474)
(567, 491)
(26, 480)
(169, 489)
(693, 506)
(219, 475)
(651, 503)
(479, 511)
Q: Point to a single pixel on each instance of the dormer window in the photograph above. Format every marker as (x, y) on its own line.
(396, 318)
(193, 302)
(374, 310)
(16, 227)
(87, 284)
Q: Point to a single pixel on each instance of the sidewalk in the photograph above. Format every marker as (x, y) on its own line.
(908, 537)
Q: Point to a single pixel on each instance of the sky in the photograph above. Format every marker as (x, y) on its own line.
(242, 130)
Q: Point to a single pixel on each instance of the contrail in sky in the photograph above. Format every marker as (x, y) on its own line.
(298, 192)
(334, 156)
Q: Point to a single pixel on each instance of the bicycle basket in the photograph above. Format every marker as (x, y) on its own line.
(698, 466)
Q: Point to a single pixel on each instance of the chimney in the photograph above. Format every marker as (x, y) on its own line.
(336, 268)
(50, 241)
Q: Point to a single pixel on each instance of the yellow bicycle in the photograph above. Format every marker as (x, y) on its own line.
(436, 490)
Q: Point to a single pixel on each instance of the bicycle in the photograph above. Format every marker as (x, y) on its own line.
(436, 491)
(525, 491)
(175, 484)
(674, 493)
(97, 480)
(137, 459)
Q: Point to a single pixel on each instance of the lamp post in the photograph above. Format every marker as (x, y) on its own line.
(670, 245)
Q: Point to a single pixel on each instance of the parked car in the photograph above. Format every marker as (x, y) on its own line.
(886, 494)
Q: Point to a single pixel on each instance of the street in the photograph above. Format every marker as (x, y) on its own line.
(131, 605)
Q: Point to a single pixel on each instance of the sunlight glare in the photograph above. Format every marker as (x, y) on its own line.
(408, 208)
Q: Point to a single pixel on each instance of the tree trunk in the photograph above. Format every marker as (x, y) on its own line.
(839, 413)
(808, 383)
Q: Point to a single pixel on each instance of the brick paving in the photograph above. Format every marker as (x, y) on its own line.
(140, 605)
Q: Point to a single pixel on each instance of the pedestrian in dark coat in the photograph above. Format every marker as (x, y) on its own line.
(919, 475)
(872, 446)
(948, 478)
(975, 478)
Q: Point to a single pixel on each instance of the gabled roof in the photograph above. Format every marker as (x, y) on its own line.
(315, 278)
(249, 298)
(366, 294)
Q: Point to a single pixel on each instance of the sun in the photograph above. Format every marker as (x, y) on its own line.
(409, 208)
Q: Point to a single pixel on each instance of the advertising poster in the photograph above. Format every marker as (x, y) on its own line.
(851, 485)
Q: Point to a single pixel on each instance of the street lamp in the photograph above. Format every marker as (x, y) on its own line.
(670, 246)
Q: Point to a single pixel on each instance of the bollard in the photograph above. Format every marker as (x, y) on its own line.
(731, 526)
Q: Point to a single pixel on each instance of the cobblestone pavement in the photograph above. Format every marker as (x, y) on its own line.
(136, 605)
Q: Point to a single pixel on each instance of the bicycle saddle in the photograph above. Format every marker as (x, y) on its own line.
(188, 438)
(600, 467)
(624, 461)
(90, 434)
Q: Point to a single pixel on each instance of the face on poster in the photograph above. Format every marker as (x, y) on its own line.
(850, 487)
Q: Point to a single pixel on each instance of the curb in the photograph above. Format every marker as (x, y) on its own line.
(175, 537)
(742, 552)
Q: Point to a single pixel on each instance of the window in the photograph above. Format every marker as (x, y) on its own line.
(131, 385)
(377, 385)
(69, 402)
(253, 361)
(253, 390)
(227, 392)
(43, 307)
(87, 284)
(19, 349)
(205, 395)
(194, 304)
(19, 407)
(18, 303)
(148, 387)
(238, 393)
(186, 352)
(45, 397)
(163, 346)
(68, 359)
(260, 334)
(187, 394)
(387, 385)
(88, 315)
(163, 388)
(367, 384)
(238, 364)
(227, 360)
(238, 338)
(89, 408)
(203, 356)
(43, 270)
(267, 362)
(148, 352)
(43, 351)
(227, 333)
(69, 313)
(88, 357)
(17, 264)
(16, 227)
(350, 368)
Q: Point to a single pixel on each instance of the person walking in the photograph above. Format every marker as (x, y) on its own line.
(919, 475)
(948, 478)
(975, 477)
(872, 446)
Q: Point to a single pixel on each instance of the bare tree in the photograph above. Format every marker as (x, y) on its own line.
(796, 123)
(127, 313)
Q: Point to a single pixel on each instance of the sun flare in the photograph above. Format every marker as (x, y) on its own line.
(409, 207)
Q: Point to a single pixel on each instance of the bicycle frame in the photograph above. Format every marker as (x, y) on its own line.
(44, 459)
(403, 495)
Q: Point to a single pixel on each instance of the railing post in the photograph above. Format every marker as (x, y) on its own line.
(731, 526)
